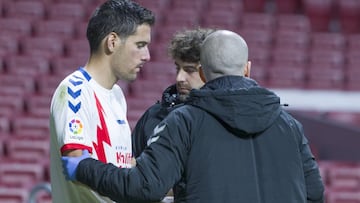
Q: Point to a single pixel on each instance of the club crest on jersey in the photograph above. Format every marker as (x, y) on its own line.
(76, 126)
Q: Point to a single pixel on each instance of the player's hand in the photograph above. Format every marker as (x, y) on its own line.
(70, 164)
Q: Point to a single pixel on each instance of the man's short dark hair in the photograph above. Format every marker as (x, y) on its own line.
(119, 16)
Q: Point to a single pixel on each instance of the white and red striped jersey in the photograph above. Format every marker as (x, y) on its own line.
(85, 115)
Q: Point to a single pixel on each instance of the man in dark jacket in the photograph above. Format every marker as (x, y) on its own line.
(231, 143)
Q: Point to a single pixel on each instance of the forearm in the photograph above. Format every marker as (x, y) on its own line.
(97, 176)
(120, 184)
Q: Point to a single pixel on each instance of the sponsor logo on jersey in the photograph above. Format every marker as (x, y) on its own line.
(119, 121)
(124, 159)
(76, 126)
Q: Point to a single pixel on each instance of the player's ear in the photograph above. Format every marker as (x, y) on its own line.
(202, 75)
(111, 41)
(247, 69)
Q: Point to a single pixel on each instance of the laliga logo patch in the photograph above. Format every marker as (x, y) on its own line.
(76, 126)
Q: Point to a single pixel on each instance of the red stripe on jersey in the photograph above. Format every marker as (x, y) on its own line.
(76, 146)
(102, 133)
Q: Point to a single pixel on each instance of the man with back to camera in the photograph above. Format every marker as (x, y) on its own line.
(232, 142)
(88, 109)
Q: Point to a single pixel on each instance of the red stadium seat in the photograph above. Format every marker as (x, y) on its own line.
(327, 58)
(28, 148)
(14, 103)
(3, 136)
(48, 83)
(149, 88)
(345, 178)
(259, 73)
(159, 49)
(290, 57)
(137, 107)
(62, 66)
(259, 56)
(4, 128)
(22, 173)
(80, 30)
(29, 10)
(38, 105)
(47, 47)
(77, 48)
(5, 112)
(325, 70)
(320, 14)
(65, 11)
(83, 2)
(257, 38)
(12, 91)
(327, 165)
(124, 86)
(350, 118)
(352, 70)
(286, 76)
(324, 78)
(1, 8)
(220, 19)
(29, 125)
(27, 64)
(353, 43)
(293, 22)
(158, 68)
(328, 41)
(54, 28)
(15, 28)
(2, 66)
(254, 5)
(287, 6)
(165, 36)
(13, 194)
(17, 80)
(352, 75)
(197, 6)
(180, 17)
(8, 46)
(291, 39)
(334, 196)
(349, 15)
(226, 5)
(258, 21)
(154, 4)
(134, 115)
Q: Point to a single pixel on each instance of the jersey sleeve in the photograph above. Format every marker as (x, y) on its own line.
(71, 111)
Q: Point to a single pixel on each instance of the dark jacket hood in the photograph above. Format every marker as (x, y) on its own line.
(239, 103)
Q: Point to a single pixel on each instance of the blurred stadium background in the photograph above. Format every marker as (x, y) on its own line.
(306, 50)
